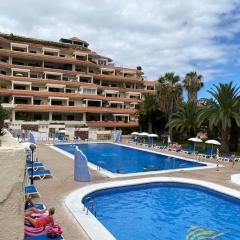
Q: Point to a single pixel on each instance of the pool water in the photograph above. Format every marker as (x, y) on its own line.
(167, 211)
(114, 157)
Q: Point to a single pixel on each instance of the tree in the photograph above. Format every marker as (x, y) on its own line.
(148, 107)
(186, 119)
(3, 116)
(192, 83)
(222, 109)
(169, 93)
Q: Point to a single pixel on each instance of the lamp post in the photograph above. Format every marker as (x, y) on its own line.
(32, 148)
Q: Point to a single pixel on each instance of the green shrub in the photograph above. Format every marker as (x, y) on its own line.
(3, 116)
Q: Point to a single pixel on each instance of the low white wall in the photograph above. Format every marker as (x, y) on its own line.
(12, 164)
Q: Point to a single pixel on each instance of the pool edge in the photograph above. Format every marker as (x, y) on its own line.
(95, 230)
(139, 174)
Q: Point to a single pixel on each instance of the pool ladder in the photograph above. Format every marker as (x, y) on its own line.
(100, 164)
(90, 205)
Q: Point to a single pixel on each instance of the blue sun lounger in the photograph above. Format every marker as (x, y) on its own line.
(39, 206)
(36, 166)
(41, 174)
(31, 190)
(209, 153)
(189, 150)
(43, 237)
(229, 158)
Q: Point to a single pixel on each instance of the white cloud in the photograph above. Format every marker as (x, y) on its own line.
(159, 35)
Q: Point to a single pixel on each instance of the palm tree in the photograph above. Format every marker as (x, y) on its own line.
(169, 93)
(186, 119)
(192, 83)
(148, 107)
(222, 109)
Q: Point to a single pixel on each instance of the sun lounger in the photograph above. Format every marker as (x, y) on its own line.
(36, 166)
(39, 206)
(149, 143)
(31, 190)
(229, 158)
(43, 237)
(41, 174)
(209, 153)
(161, 146)
(174, 149)
(189, 150)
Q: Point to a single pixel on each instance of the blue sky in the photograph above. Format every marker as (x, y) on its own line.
(159, 35)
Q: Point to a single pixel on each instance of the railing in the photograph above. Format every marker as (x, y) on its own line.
(90, 205)
(100, 164)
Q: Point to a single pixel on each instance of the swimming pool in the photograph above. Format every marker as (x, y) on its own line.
(114, 157)
(167, 211)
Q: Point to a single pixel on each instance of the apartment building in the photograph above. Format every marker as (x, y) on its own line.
(47, 86)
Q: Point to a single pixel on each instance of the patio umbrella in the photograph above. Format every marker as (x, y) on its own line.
(195, 140)
(152, 135)
(62, 131)
(213, 142)
(143, 134)
(134, 133)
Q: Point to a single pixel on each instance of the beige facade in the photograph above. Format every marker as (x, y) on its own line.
(12, 165)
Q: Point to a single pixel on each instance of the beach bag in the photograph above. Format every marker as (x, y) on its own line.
(54, 231)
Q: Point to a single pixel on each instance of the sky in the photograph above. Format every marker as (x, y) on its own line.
(159, 35)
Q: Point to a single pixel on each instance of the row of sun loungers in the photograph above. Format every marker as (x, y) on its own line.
(209, 153)
(40, 172)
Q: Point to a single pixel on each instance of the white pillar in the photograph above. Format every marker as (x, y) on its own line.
(50, 116)
(100, 117)
(74, 67)
(84, 117)
(13, 115)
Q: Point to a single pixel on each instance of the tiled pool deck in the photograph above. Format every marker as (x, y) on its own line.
(54, 190)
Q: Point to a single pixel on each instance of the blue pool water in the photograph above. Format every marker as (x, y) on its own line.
(167, 211)
(128, 160)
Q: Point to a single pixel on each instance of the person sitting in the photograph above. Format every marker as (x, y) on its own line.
(145, 168)
(119, 171)
(30, 208)
(43, 221)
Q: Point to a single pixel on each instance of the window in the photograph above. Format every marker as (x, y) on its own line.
(71, 103)
(70, 117)
(102, 62)
(56, 117)
(35, 88)
(89, 91)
